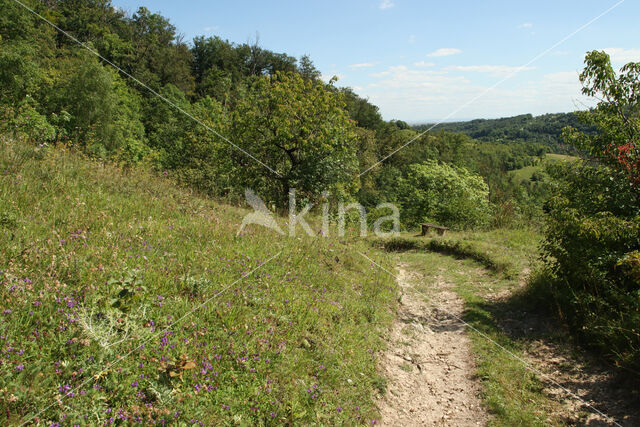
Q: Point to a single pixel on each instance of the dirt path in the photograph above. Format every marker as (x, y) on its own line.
(429, 365)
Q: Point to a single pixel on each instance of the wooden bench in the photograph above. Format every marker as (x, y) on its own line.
(427, 227)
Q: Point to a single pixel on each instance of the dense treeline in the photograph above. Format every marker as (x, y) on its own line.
(231, 116)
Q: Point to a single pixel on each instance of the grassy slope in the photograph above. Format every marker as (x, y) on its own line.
(503, 251)
(97, 263)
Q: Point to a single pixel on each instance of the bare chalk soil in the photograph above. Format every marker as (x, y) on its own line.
(429, 366)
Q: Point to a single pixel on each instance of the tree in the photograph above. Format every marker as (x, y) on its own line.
(400, 124)
(201, 158)
(105, 112)
(307, 69)
(616, 117)
(160, 57)
(445, 194)
(20, 74)
(361, 110)
(166, 127)
(300, 130)
(221, 67)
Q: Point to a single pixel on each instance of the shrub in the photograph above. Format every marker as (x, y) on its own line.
(592, 231)
(592, 238)
(27, 122)
(445, 194)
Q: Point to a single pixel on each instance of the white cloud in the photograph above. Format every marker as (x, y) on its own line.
(445, 51)
(211, 28)
(494, 70)
(403, 77)
(525, 25)
(417, 94)
(622, 55)
(362, 65)
(560, 91)
(386, 4)
(423, 64)
(412, 38)
(380, 74)
(561, 52)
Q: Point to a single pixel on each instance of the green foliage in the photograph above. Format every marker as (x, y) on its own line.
(444, 194)
(20, 74)
(161, 58)
(125, 289)
(165, 126)
(28, 123)
(516, 202)
(307, 69)
(219, 61)
(217, 56)
(592, 232)
(591, 235)
(616, 117)
(299, 129)
(104, 113)
(14, 23)
(202, 157)
(217, 84)
(361, 110)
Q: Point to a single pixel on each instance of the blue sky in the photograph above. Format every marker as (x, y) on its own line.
(429, 60)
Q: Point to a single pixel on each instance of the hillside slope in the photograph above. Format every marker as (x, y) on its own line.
(545, 129)
(126, 298)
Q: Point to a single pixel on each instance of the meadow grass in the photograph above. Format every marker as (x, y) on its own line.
(503, 251)
(524, 174)
(560, 157)
(127, 299)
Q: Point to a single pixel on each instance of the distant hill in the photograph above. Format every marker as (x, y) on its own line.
(545, 129)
